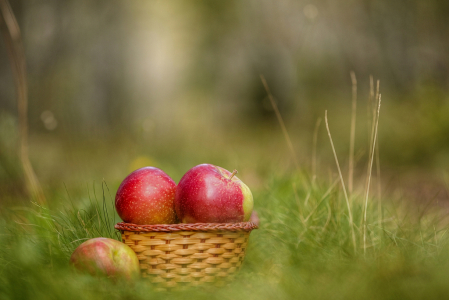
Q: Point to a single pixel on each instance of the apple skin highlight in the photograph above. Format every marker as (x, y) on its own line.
(146, 196)
(206, 194)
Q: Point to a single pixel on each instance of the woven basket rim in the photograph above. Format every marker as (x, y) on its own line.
(241, 226)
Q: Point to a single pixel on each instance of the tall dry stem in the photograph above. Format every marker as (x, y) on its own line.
(369, 107)
(379, 184)
(371, 111)
(374, 138)
(281, 122)
(372, 116)
(315, 140)
(351, 223)
(352, 134)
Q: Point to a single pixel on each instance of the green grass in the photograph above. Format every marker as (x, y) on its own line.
(303, 249)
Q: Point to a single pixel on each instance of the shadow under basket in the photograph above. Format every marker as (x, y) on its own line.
(184, 255)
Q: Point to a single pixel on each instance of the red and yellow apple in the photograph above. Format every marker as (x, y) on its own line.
(211, 194)
(146, 196)
(106, 257)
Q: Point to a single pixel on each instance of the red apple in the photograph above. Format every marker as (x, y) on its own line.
(107, 257)
(146, 196)
(211, 194)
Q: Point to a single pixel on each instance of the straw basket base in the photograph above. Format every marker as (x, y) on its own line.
(170, 257)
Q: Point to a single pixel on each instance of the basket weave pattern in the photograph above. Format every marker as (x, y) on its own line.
(171, 256)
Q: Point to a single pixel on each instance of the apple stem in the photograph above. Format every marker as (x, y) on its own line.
(233, 173)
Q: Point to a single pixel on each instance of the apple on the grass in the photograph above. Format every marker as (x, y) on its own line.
(211, 194)
(106, 257)
(146, 196)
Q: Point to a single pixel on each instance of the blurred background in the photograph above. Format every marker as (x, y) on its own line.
(118, 85)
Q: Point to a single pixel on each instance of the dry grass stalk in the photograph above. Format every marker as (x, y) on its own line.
(372, 107)
(369, 107)
(281, 122)
(374, 138)
(379, 187)
(351, 223)
(315, 140)
(372, 110)
(11, 34)
(352, 135)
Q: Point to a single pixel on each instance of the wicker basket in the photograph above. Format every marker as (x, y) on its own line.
(183, 255)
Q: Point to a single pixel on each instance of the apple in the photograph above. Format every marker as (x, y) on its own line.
(211, 194)
(146, 196)
(107, 257)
